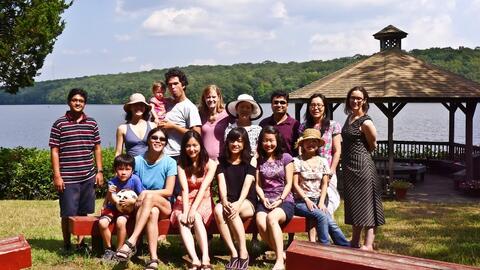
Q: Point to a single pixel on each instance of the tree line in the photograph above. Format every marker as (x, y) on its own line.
(258, 80)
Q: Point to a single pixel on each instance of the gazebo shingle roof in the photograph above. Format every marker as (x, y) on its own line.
(393, 75)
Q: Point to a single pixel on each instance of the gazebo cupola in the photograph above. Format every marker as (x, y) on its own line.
(390, 38)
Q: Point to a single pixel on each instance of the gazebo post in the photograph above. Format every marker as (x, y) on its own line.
(390, 113)
(452, 108)
(332, 107)
(469, 113)
(298, 108)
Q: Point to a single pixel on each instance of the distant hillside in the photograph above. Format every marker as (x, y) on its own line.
(258, 80)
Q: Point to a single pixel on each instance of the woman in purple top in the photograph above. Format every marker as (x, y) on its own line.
(134, 132)
(214, 120)
(274, 183)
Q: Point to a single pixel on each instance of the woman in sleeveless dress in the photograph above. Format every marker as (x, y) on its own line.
(363, 189)
(133, 134)
(194, 207)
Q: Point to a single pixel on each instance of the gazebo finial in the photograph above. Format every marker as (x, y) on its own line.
(390, 38)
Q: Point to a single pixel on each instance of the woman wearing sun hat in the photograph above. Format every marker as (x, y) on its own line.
(133, 134)
(244, 110)
(310, 182)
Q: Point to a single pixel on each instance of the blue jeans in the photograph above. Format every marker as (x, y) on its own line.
(325, 224)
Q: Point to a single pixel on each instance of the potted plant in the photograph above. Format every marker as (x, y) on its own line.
(400, 187)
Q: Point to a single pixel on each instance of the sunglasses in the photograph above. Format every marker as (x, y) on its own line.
(158, 138)
(281, 102)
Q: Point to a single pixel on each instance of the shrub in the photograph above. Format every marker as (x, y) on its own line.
(25, 173)
(401, 184)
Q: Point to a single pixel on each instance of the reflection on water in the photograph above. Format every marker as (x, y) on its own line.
(29, 125)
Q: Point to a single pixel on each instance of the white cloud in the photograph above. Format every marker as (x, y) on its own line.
(146, 67)
(76, 51)
(124, 37)
(432, 31)
(203, 62)
(279, 11)
(475, 5)
(128, 59)
(327, 46)
(176, 22)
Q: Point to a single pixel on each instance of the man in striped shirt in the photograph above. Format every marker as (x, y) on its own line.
(74, 143)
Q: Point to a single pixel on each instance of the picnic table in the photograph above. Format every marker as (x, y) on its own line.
(414, 171)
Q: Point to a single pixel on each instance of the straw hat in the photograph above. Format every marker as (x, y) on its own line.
(257, 110)
(310, 133)
(135, 98)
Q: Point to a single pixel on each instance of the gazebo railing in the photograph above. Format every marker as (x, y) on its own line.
(422, 150)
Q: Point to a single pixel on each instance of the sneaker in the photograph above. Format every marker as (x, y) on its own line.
(108, 255)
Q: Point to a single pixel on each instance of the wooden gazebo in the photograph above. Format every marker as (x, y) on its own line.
(394, 78)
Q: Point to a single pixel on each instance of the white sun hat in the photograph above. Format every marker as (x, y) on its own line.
(256, 112)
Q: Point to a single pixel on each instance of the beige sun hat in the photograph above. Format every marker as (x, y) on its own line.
(257, 110)
(310, 133)
(135, 98)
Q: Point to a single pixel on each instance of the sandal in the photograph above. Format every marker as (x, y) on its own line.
(150, 264)
(206, 267)
(243, 263)
(232, 264)
(193, 266)
(123, 255)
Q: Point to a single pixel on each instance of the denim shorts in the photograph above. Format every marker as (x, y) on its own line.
(287, 207)
(78, 199)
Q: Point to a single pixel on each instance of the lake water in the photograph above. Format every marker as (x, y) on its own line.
(29, 125)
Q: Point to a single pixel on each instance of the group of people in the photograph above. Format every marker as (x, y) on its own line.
(174, 150)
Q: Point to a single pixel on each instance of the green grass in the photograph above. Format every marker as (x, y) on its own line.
(444, 232)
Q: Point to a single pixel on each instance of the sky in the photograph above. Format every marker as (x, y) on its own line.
(121, 36)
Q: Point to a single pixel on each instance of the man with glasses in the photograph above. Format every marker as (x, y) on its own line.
(75, 149)
(280, 119)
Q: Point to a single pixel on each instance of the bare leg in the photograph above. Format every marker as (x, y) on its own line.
(105, 232)
(224, 230)
(274, 219)
(149, 209)
(261, 220)
(152, 232)
(202, 238)
(369, 238)
(356, 234)
(245, 211)
(121, 230)
(187, 238)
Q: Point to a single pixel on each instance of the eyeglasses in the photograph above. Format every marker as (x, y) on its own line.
(316, 105)
(281, 102)
(158, 138)
(356, 98)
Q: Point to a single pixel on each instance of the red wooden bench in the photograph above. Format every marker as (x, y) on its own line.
(88, 225)
(308, 255)
(15, 253)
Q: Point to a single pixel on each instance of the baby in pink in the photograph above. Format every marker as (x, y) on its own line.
(158, 101)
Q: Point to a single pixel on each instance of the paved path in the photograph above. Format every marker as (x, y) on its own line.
(439, 189)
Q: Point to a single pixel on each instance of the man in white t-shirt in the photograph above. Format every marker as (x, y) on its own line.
(182, 115)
